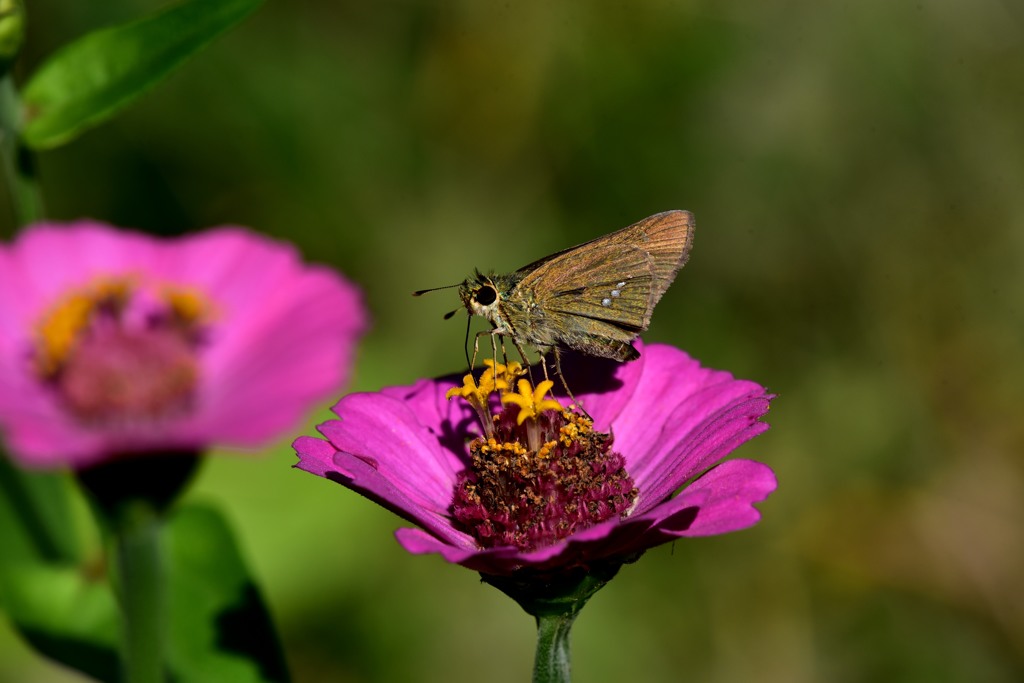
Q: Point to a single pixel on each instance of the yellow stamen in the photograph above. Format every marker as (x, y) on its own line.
(506, 375)
(496, 377)
(187, 303)
(476, 395)
(531, 400)
(470, 390)
(58, 330)
(499, 377)
(114, 288)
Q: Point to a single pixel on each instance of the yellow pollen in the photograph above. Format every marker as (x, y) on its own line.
(546, 449)
(574, 429)
(110, 289)
(58, 330)
(531, 400)
(188, 303)
(515, 447)
(501, 452)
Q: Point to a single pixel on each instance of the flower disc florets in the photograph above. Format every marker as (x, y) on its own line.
(118, 344)
(122, 349)
(430, 461)
(540, 472)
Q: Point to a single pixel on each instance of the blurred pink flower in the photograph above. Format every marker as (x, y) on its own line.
(672, 421)
(117, 343)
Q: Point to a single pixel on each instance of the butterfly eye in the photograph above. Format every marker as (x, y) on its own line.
(486, 295)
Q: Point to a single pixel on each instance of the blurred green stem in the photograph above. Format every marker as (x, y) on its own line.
(40, 502)
(140, 570)
(18, 166)
(552, 664)
(554, 601)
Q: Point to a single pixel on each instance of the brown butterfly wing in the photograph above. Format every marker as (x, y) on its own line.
(603, 317)
(613, 284)
(655, 248)
(667, 238)
(599, 295)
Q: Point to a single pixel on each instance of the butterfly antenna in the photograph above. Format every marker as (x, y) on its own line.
(421, 292)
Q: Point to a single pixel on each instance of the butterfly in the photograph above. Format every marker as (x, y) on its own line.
(594, 298)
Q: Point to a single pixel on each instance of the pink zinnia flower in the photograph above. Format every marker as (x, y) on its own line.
(547, 493)
(115, 343)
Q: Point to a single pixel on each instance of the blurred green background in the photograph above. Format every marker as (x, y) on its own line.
(857, 174)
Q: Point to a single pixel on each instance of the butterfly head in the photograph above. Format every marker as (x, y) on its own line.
(479, 295)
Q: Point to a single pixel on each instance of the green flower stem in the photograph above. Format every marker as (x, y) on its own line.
(131, 495)
(551, 663)
(40, 502)
(140, 570)
(554, 600)
(18, 164)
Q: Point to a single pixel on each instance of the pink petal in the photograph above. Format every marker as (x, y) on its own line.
(419, 542)
(669, 377)
(723, 499)
(672, 420)
(452, 417)
(282, 339)
(686, 453)
(316, 456)
(385, 432)
(364, 476)
(306, 347)
(51, 258)
(603, 387)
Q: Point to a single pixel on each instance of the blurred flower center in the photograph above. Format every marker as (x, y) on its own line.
(540, 472)
(119, 352)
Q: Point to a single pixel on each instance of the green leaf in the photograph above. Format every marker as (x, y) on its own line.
(12, 32)
(220, 629)
(35, 516)
(65, 615)
(91, 79)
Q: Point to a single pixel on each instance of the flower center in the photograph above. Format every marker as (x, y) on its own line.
(117, 352)
(540, 473)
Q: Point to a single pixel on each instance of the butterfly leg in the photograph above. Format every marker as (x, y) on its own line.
(494, 348)
(544, 361)
(504, 353)
(494, 351)
(522, 356)
(476, 350)
(476, 347)
(565, 385)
